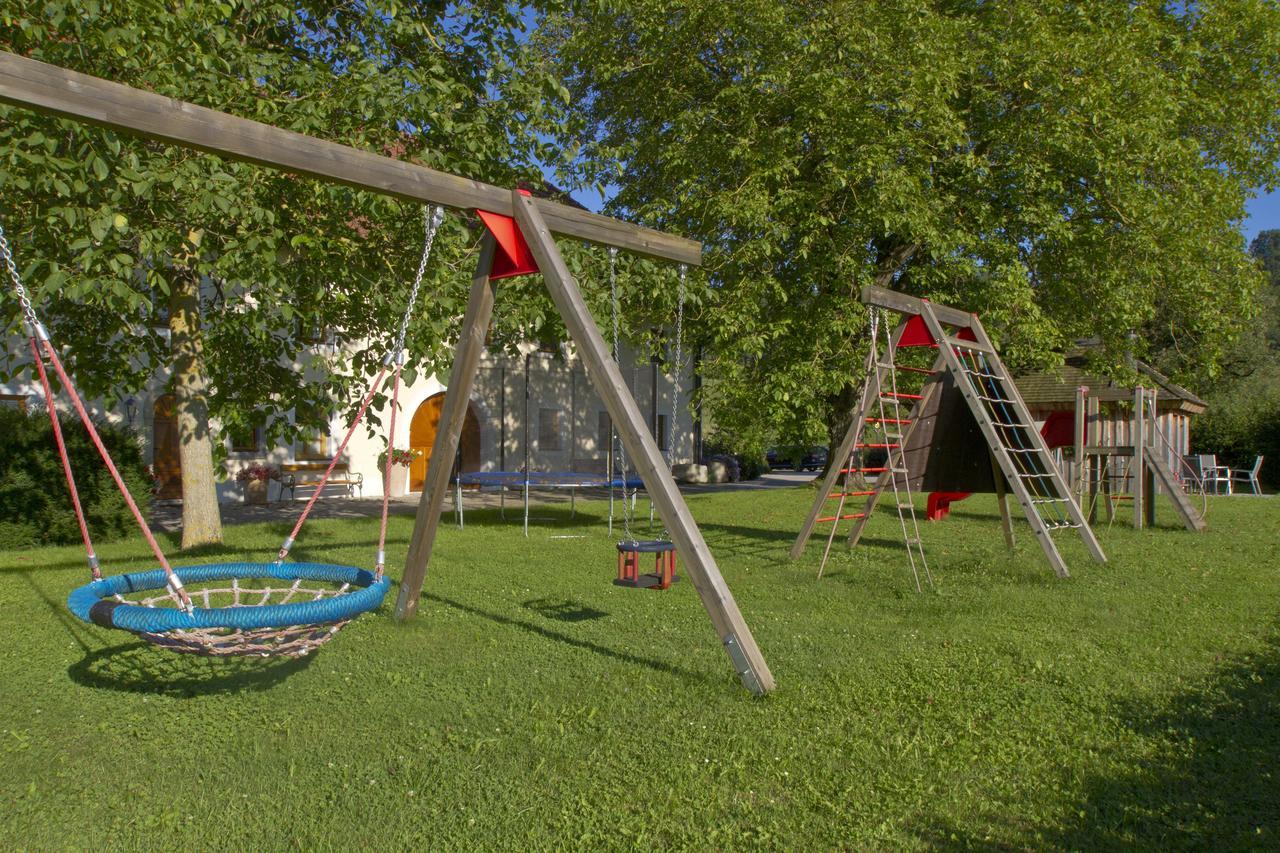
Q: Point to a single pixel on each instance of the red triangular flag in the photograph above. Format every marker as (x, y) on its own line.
(513, 256)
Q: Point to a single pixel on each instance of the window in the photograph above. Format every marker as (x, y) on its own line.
(549, 429)
(604, 434)
(245, 439)
(315, 445)
(314, 440)
(662, 437)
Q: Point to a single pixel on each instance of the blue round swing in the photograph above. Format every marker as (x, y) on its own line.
(275, 608)
(249, 623)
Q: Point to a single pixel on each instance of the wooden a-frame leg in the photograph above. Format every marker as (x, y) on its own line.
(1002, 498)
(466, 361)
(607, 379)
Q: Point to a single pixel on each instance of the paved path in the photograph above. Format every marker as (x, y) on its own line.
(168, 516)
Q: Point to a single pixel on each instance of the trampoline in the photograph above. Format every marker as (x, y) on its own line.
(528, 481)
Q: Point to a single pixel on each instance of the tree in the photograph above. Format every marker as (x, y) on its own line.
(1243, 416)
(148, 255)
(1066, 170)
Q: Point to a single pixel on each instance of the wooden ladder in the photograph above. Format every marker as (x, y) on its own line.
(878, 423)
(1016, 445)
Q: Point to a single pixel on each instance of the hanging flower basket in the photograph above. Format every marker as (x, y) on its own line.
(398, 486)
(255, 479)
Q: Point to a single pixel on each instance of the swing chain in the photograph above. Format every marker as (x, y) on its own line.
(617, 357)
(34, 325)
(678, 369)
(432, 216)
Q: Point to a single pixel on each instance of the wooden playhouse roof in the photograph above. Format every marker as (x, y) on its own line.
(1056, 388)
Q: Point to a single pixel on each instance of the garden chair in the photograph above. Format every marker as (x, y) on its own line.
(1193, 477)
(1213, 475)
(1247, 476)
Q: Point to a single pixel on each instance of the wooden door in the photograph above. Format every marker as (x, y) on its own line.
(422, 435)
(166, 459)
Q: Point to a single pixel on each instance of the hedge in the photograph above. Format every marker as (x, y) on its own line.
(35, 505)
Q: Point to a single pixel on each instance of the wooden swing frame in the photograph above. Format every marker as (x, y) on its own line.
(57, 91)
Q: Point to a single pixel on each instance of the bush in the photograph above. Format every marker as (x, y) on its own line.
(35, 506)
(1242, 421)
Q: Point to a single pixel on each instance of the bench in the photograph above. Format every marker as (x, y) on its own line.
(307, 475)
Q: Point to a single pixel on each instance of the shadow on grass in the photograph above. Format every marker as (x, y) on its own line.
(563, 610)
(586, 645)
(137, 667)
(1215, 784)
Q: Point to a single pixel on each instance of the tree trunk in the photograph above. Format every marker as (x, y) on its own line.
(201, 519)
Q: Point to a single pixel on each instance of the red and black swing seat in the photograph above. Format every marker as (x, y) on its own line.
(664, 566)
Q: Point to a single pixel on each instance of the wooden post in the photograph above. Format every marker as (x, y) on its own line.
(1138, 465)
(1154, 457)
(1098, 465)
(1002, 498)
(466, 361)
(630, 423)
(1079, 474)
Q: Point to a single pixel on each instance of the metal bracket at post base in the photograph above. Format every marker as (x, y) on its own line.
(742, 666)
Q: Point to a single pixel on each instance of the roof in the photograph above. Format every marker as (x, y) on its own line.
(1056, 387)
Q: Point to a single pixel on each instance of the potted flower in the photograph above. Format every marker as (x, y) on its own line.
(400, 460)
(255, 479)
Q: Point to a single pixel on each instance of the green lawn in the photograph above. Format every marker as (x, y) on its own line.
(533, 704)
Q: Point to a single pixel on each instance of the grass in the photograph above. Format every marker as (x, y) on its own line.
(533, 704)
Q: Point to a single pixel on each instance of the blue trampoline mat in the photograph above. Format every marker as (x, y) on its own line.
(548, 479)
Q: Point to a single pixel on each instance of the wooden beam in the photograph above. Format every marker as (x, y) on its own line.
(1138, 469)
(57, 91)
(466, 361)
(607, 379)
(912, 306)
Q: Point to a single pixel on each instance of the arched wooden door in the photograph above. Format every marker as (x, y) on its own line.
(166, 460)
(422, 435)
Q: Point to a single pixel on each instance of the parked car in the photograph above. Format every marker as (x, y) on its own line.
(796, 456)
(814, 459)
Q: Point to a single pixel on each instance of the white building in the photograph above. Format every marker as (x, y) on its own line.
(536, 403)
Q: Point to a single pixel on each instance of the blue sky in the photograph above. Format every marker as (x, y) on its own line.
(1264, 213)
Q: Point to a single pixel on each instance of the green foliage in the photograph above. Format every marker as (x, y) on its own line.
(1243, 418)
(1066, 170)
(1131, 707)
(104, 222)
(35, 505)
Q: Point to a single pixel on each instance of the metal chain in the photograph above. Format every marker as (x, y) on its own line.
(431, 217)
(679, 367)
(617, 357)
(24, 299)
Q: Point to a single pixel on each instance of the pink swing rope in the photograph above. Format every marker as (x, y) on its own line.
(66, 461)
(174, 582)
(381, 560)
(39, 338)
(432, 217)
(324, 481)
